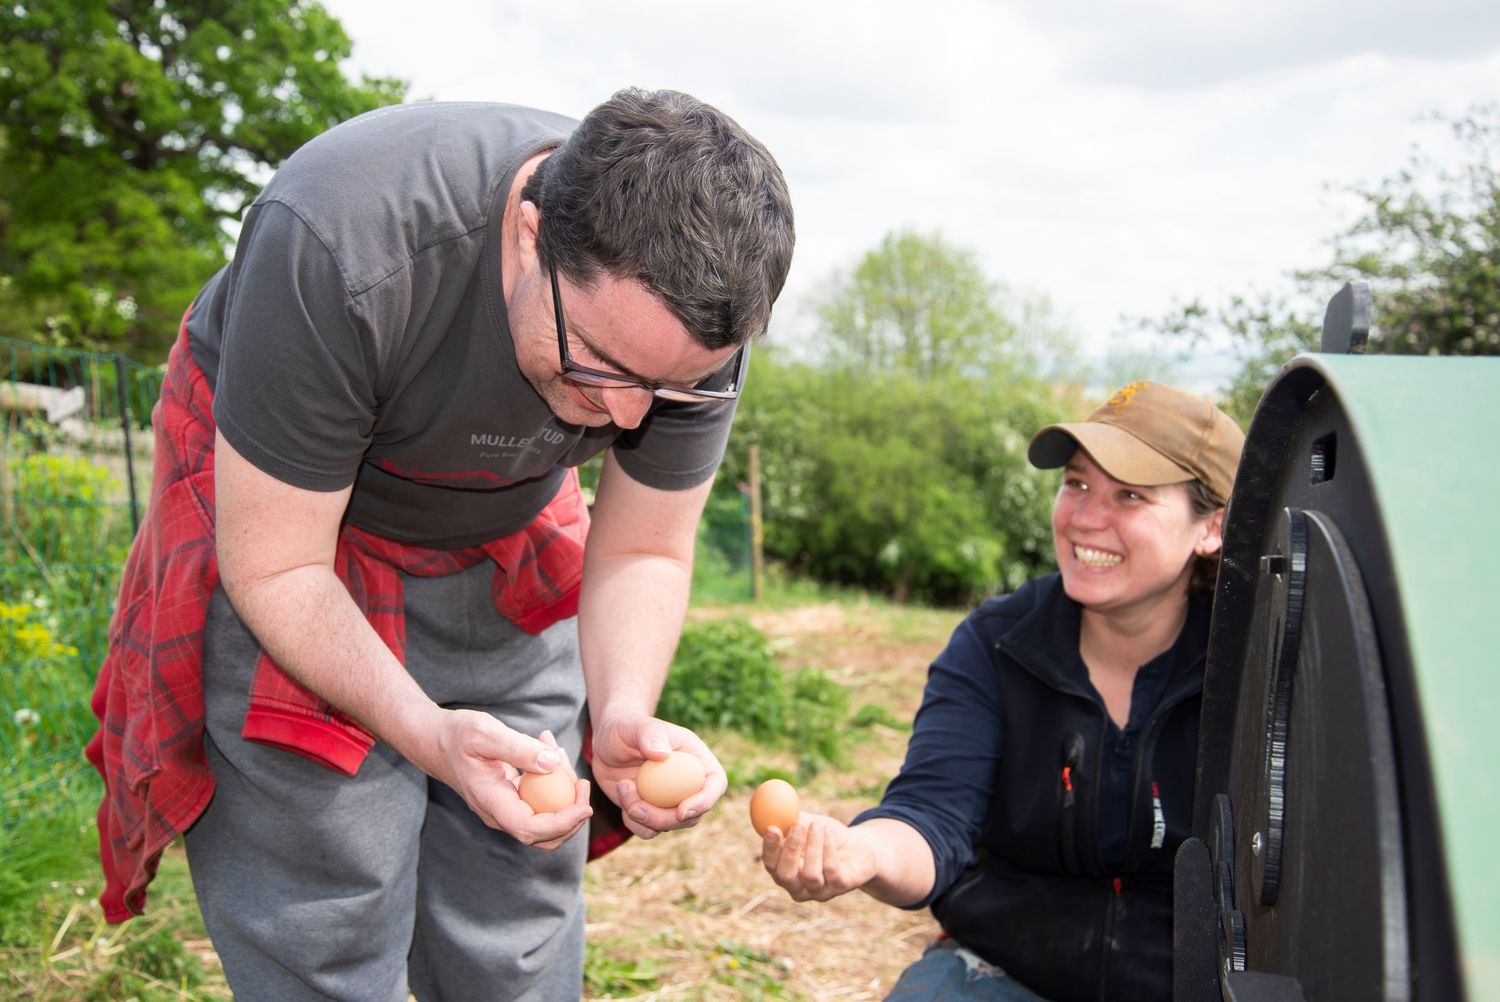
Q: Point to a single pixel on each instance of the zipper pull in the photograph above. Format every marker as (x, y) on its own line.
(1067, 823)
(1072, 751)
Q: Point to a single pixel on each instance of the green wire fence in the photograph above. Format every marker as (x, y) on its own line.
(75, 471)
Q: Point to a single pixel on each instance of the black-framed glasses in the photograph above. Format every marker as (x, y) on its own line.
(576, 373)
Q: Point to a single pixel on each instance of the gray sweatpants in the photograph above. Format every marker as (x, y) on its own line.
(316, 885)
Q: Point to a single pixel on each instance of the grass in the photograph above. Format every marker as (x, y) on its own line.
(70, 954)
(614, 968)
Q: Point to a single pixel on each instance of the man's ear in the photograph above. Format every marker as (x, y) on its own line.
(528, 221)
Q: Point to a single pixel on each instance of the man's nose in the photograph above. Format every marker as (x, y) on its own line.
(627, 405)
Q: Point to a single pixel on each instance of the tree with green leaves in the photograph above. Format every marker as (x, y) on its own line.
(917, 488)
(1428, 244)
(896, 460)
(916, 304)
(135, 132)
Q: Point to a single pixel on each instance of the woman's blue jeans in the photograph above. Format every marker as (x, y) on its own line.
(947, 971)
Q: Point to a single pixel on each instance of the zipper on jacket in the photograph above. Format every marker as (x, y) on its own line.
(1093, 820)
(1146, 754)
(1106, 942)
(1067, 822)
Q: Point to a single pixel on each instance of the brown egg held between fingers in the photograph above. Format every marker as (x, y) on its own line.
(775, 802)
(549, 792)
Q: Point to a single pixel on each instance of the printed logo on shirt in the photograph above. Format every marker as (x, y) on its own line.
(493, 446)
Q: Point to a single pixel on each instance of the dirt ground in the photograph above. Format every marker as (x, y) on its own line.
(695, 913)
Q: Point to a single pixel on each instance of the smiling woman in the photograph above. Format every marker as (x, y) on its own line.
(1049, 777)
(1152, 460)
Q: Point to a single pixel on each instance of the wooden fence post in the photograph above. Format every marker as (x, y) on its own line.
(757, 556)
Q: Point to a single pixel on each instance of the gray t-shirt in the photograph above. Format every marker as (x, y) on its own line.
(360, 335)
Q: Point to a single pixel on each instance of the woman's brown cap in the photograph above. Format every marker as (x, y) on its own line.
(1149, 434)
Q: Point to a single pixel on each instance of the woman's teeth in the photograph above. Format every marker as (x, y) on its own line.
(1096, 558)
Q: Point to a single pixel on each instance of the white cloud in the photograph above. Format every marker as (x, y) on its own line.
(1116, 158)
(1176, 44)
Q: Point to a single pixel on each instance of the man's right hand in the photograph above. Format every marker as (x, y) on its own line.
(276, 545)
(481, 759)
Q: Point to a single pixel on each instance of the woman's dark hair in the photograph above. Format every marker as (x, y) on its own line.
(1205, 568)
(659, 187)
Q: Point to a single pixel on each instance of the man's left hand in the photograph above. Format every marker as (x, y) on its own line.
(621, 745)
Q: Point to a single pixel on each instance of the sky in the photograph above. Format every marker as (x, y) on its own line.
(1116, 159)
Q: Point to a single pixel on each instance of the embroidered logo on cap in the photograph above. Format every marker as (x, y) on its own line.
(1123, 394)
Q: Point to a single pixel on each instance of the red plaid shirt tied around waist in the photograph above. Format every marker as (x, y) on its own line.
(149, 694)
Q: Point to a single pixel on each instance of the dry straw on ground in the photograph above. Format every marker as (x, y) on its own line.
(698, 909)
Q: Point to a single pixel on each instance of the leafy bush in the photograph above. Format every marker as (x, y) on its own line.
(915, 488)
(67, 534)
(58, 504)
(816, 722)
(725, 677)
(25, 636)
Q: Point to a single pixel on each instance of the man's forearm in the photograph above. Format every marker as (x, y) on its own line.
(308, 623)
(630, 616)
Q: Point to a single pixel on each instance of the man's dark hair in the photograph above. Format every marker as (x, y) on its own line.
(658, 186)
